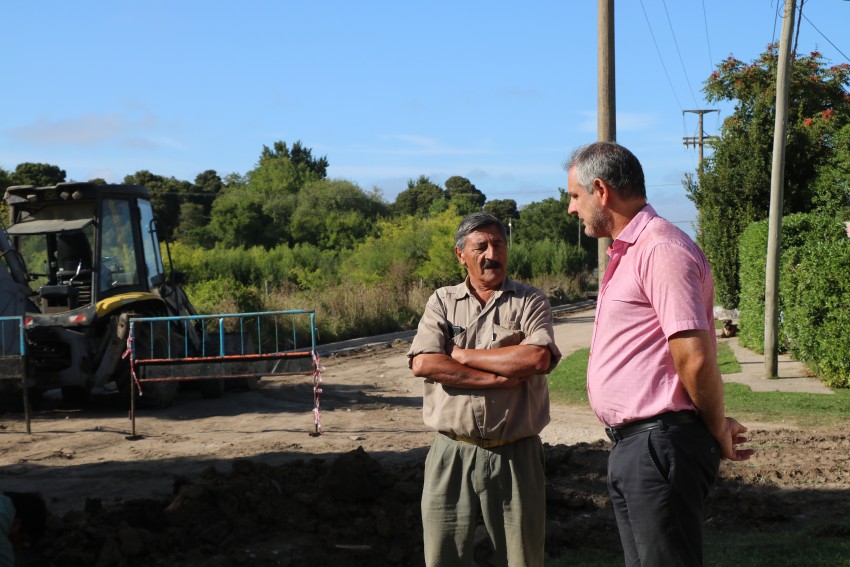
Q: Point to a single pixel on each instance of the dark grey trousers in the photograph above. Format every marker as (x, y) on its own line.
(658, 481)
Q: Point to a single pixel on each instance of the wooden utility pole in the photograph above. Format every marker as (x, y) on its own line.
(698, 141)
(606, 99)
(777, 180)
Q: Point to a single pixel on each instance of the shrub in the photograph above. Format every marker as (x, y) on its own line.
(814, 292)
(797, 231)
(817, 317)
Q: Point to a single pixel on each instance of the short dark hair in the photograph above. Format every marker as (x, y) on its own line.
(32, 511)
(477, 221)
(613, 164)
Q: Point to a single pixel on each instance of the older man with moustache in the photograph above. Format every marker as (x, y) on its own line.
(484, 347)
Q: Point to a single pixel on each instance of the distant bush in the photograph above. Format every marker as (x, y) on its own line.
(527, 260)
(378, 287)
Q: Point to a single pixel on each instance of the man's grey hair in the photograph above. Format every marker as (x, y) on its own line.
(613, 164)
(477, 221)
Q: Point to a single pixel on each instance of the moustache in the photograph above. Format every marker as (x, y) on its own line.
(492, 265)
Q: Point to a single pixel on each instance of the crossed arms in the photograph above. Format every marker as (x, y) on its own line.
(502, 367)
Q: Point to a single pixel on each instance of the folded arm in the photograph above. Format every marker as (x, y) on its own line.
(517, 361)
(443, 369)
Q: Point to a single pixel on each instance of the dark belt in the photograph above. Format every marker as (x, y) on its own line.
(660, 421)
(477, 441)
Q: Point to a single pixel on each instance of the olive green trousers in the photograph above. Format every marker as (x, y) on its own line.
(505, 485)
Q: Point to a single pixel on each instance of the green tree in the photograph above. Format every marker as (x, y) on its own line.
(832, 188)
(334, 214)
(733, 189)
(407, 249)
(166, 196)
(268, 194)
(503, 209)
(196, 208)
(208, 184)
(300, 156)
(464, 195)
(38, 174)
(5, 179)
(417, 199)
(239, 219)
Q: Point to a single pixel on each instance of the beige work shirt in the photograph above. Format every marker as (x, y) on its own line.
(514, 314)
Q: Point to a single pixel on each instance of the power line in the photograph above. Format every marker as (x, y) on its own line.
(826, 38)
(707, 37)
(659, 55)
(679, 53)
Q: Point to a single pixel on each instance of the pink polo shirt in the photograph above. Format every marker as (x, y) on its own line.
(658, 283)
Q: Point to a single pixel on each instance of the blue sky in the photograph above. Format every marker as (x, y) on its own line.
(498, 92)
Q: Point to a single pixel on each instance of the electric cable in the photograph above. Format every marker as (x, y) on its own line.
(679, 53)
(663, 66)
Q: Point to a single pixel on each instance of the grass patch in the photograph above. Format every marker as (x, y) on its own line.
(567, 386)
(808, 410)
(568, 382)
(819, 544)
(726, 359)
(824, 543)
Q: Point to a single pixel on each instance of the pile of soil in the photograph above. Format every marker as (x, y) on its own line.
(356, 510)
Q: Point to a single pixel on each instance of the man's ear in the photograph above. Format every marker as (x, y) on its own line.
(603, 189)
(458, 255)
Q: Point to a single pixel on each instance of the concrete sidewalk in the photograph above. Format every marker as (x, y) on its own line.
(574, 331)
(793, 375)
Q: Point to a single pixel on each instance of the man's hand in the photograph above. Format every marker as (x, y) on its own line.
(731, 438)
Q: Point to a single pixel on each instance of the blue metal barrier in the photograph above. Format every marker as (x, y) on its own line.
(222, 346)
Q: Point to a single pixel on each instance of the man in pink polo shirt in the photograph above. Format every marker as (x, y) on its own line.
(652, 378)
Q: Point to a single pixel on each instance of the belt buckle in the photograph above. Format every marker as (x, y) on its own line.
(611, 432)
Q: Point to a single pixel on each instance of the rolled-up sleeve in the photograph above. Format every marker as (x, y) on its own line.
(432, 332)
(539, 328)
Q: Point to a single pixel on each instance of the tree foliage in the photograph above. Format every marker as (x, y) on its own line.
(733, 189)
(166, 195)
(300, 156)
(418, 198)
(38, 174)
(285, 223)
(334, 214)
(503, 209)
(465, 196)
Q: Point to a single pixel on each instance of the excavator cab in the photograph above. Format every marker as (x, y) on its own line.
(85, 243)
(94, 260)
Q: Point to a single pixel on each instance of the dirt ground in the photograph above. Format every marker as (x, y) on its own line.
(244, 481)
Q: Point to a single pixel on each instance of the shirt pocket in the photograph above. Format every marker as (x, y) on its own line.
(507, 335)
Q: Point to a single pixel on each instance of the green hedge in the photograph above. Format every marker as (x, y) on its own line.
(814, 293)
(796, 231)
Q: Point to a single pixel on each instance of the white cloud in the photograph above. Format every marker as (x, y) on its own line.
(92, 130)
